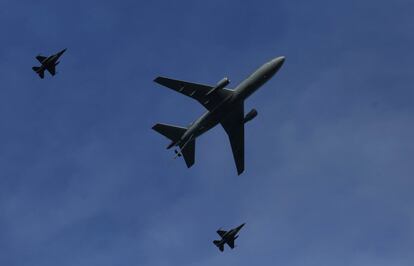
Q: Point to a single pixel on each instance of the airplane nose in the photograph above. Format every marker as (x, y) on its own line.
(274, 65)
(278, 61)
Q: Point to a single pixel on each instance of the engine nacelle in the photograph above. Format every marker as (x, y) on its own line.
(223, 83)
(250, 115)
(220, 85)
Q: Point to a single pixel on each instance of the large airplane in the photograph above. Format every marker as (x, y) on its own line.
(223, 106)
(47, 63)
(227, 237)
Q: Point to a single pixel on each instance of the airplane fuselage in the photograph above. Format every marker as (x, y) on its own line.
(231, 235)
(246, 88)
(51, 60)
(48, 62)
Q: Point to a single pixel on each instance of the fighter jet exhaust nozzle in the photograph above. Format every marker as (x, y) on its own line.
(220, 85)
(250, 115)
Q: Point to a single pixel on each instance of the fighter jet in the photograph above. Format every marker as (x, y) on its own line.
(224, 106)
(227, 237)
(47, 63)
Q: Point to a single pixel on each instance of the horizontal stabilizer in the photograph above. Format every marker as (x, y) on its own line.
(219, 244)
(40, 71)
(171, 132)
(188, 152)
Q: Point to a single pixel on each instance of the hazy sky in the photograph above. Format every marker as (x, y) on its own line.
(84, 181)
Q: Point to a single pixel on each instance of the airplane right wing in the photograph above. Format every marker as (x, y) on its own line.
(231, 243)
(40, 58)
(52, 70)
(233, 124)
(196, 91)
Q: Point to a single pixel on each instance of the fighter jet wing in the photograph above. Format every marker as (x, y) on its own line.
(196, 91)
(52, 70)
(40, 58)
(231, 243)
(233, 124)
(221, 232)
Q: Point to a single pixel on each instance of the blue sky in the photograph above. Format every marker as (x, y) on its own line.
(329, 159)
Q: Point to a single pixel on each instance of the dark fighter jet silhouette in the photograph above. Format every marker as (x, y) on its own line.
(227, 237)
(47, 63)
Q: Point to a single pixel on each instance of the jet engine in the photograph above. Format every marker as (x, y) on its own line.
(250, 115)
(220, 85)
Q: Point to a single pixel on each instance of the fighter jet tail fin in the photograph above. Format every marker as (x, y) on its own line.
(39, 71)
(219, 244)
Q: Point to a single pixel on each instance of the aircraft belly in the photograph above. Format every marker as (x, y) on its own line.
(46, 64)
(209, 121)
(207, 126)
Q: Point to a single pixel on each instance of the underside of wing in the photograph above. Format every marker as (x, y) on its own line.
(52, 70)
(233, 124)
(41, 58)
(196, 91)
(221, 232)
(231, 243)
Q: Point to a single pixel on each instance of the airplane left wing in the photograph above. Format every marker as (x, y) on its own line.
(233, 124)
(196, 91)
(40, 58)
(221, 232)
